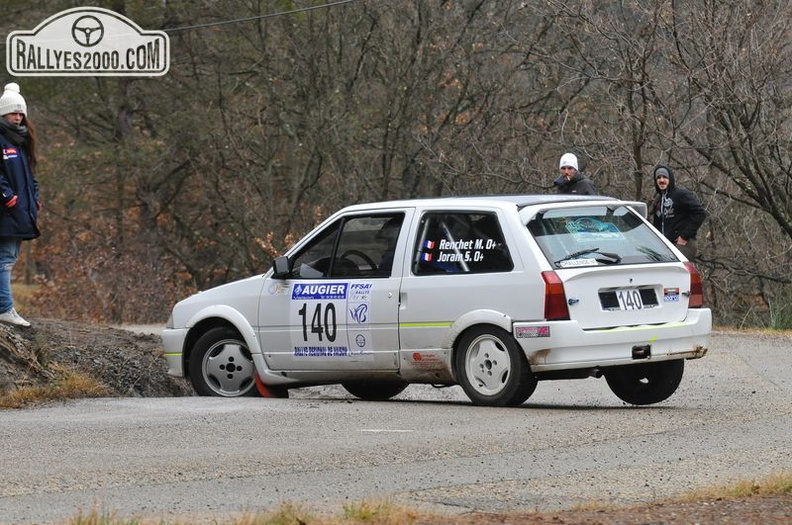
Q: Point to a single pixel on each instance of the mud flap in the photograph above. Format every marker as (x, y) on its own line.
(271, 391)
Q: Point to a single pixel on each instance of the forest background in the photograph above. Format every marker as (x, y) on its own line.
(276, 113)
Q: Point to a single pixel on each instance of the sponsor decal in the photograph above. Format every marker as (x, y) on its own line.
(359, 291)
(333, 317)
(321, 351)
(87, 41)
(327, 291)
(359, 314)
(571, 263)
(426, 361)
(277, 288)
(670, 295)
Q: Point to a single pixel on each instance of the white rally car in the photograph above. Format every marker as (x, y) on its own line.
(490, 293)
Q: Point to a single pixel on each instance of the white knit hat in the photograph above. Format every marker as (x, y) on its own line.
(568, 159)
(12, 101)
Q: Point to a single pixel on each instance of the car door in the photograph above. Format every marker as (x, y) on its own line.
(338, 309)
(460, 263)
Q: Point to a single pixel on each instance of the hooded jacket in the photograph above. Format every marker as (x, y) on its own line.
(19, 190)
(676, 212)
(577, 185)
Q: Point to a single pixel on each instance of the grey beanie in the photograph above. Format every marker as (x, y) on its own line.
(662, 171)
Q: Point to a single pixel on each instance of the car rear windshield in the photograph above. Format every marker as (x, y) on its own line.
(597, 235)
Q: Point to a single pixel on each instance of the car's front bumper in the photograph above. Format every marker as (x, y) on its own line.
(563, 345)
(173, 346)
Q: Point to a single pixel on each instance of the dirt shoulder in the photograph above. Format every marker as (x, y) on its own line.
(752, 510)
(126, 364)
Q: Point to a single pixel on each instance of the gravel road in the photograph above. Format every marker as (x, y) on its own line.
(572, 443)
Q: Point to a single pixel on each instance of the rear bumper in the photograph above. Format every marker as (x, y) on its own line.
(173, 346)
(563, 345)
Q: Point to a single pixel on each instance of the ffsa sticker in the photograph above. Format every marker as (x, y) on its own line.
(333, 318)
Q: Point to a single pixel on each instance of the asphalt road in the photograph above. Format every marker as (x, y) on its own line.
(572, 443)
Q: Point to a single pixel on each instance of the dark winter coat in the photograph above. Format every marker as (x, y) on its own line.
(578, 185)
(676, 212)
(17, 180)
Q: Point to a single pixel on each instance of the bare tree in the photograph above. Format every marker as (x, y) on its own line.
(267, 122)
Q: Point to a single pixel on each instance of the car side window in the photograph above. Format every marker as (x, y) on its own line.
(313, 261)
(358, 246)
(460, 242)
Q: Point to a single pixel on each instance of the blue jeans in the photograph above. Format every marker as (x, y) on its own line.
(9, 253)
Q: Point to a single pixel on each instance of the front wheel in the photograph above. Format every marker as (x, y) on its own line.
(492, 369)
(221, 365)
(646, 383)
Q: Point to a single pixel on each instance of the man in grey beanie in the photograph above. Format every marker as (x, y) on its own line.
(676, 212)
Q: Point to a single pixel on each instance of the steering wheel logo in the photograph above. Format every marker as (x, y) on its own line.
(87, 31)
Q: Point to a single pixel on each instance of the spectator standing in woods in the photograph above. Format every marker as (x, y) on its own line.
(19, 193)
(571, 180)
(676, 212)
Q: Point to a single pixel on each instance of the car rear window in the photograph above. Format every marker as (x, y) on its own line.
(597, 235)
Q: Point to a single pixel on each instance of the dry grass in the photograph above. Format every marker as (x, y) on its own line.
(22, 298)
(778, 483)
(372, 513)
(385, 513)
(68, 385)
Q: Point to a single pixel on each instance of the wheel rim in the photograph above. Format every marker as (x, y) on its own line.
(487, 365)
(228, 369)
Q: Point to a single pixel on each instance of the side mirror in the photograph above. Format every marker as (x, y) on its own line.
(281, 267)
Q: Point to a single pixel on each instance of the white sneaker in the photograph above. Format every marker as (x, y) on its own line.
(13, 318)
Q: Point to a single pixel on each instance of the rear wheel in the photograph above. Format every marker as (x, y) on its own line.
(492, 369)
(221, 365)
(646, 383)
(374, 390)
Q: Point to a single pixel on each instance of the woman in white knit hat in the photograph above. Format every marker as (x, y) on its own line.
(19, 193)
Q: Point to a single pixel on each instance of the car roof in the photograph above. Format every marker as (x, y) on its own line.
(517, 200)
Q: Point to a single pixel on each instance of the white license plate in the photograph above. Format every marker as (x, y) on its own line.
(629, 299)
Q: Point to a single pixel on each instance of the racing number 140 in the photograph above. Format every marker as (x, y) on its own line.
(321, 323)
(629, 299)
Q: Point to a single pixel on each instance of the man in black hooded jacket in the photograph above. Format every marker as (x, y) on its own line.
(676, 212)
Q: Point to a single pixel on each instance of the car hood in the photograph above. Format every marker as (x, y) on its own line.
(222, 301)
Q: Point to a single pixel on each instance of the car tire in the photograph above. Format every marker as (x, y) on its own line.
(221, 365)
(492, 369)
(374, 390)
(646, 383)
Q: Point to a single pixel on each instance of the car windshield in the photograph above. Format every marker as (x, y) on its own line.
(597, 235)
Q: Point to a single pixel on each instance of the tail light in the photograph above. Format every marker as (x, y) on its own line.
(696, 299)
(555, 298)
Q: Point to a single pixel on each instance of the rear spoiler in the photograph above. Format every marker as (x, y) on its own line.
(639, 207)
